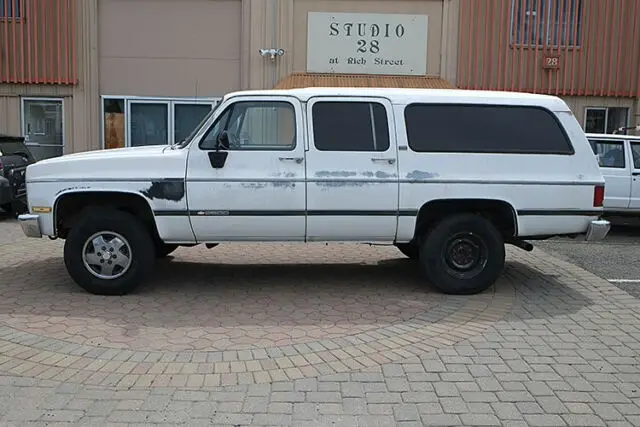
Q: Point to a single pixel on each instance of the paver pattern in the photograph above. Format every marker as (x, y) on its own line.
(313, 335)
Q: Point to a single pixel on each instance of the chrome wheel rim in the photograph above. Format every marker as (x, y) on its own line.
(107, 255)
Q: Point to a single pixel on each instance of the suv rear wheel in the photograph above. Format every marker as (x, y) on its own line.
(108, 252)
(463, 254)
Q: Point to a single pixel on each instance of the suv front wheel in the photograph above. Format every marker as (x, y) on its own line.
(108, 252)
(463, 254)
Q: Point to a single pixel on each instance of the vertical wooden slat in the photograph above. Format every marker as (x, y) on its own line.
(65, 24)
(476, 53)
(7, 54)
(52, 38)
(578, 46)
(570, 11)
(549, 37)
(603, 45)
(461, 35)
(588, 46)
(531, 47)
(612, 8)
(625, 11)
(469, 45)
(517, 47)
(635, 15)
(27, 14)
(14, 41)
(45, 37)
(491, 18)
(502, 52)
(22, 46)
(59, 56)
(621, 36)
(558, 31)
(74, 29)
(537, 67)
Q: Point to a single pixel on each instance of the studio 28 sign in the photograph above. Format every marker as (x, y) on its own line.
(367, 43)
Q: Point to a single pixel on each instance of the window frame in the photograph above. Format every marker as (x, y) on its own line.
(370, 101)
(606, 117)
(171, 101)
(548, 31)
(12, 15)
(228, 109)
(570, 152)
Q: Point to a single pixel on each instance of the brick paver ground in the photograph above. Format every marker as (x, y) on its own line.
(313, 335)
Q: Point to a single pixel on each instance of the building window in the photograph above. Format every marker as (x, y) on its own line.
(556, 23)
(43, 126)
(10, 9)
(605, 120)
(134, 121)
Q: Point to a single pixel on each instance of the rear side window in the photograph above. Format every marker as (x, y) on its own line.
(350, 126)
(484, 129)
(610, 153)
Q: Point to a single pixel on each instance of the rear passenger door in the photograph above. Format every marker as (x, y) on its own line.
(635, 182)
(616, 171)
(352, 170)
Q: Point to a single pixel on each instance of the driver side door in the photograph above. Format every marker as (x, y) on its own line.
(258, 193)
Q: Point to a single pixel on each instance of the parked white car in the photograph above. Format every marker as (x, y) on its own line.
(619, 160)
(448, 176)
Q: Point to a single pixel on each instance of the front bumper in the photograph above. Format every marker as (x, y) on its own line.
(30, 225)
(598, 230)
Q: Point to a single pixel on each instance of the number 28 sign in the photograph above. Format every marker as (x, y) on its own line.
(550, 61)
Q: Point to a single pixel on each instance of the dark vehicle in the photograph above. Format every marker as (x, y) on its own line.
(14, 159)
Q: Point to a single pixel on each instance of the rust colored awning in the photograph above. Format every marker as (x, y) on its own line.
(300, 80)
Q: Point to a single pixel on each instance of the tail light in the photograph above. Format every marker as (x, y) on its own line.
(598, 196)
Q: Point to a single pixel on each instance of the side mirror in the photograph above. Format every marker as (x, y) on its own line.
(222, 142)
(219, 158)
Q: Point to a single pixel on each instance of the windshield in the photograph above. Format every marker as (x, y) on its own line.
(10, 148)
(188, 139)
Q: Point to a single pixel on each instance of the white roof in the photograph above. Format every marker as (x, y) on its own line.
(404, 96)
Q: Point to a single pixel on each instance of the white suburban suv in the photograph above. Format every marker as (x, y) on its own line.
(448, 176)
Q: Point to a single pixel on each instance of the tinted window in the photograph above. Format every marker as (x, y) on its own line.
(635, 150)
(484, 129)
(610, 153)
(350, 126)
(255, 126)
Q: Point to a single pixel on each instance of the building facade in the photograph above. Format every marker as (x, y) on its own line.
(80, 75)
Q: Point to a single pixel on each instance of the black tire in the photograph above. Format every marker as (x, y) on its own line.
(478, 243)
(141, 254)
(164, 249)
(410, 250)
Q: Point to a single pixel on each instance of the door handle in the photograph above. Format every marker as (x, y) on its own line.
(390, 160)
(635, 174)
(291, 159)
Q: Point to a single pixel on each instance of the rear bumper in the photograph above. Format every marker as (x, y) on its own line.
(30, 225)
(598, 230)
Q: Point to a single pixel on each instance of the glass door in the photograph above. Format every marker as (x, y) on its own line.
(43, 126)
